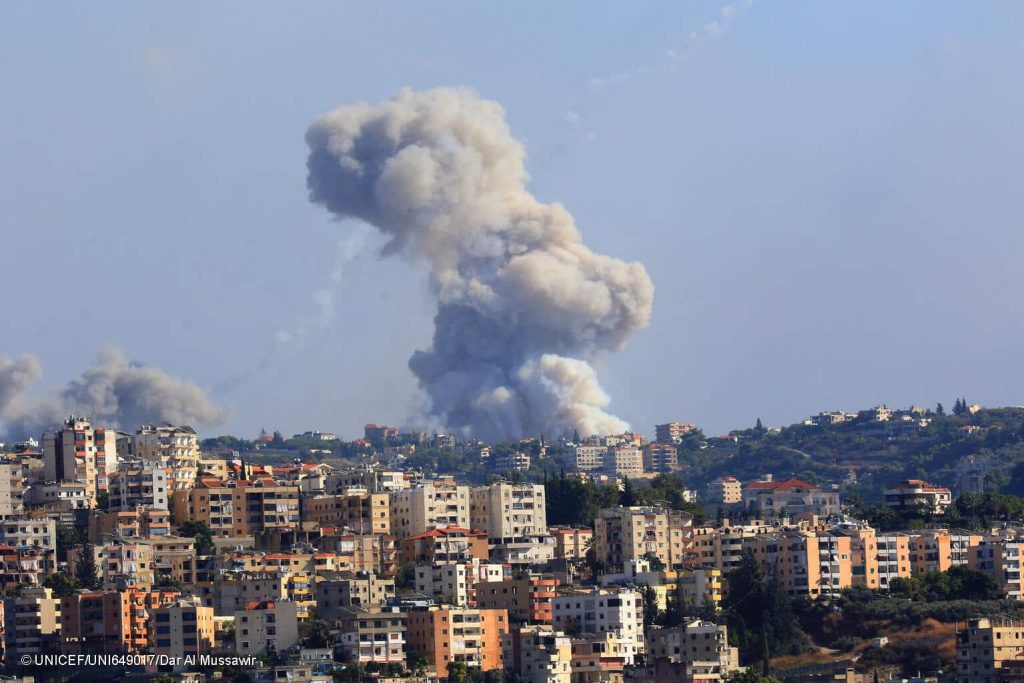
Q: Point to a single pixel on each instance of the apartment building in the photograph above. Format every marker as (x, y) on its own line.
(372, 636)
(445, 544)
(792, 496)
(806, 564)
(436, 504)
(140, 522)
(590, 457)
(1000, 556)
(373, 480)
(112, 622)
(455, 583)
(722, 546)
(660, 457)
(120, 564)
(183, 628)
(599, 611)
(538, 654)
(24, 566)
(336, 592)
(526, 599)
(725, 490)
(31, 623)
(672, 432)
(80, 452)
(470, 636)
(12, 489)
(166, 444)
(622, 535)
(61, 496)
(506, 510)
(694, 641)
(32, 532)
(571, 543)
(238, 507)
(624, 460)
(266, 626)
(377, 553)
(916, 493)
(362, 513)
(985, 647)
(939, 551)
(600, 657)
(131, 486)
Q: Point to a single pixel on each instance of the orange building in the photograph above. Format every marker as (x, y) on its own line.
(470, 636)
(445, 544)
(96, 622)
(363, 513)
(570, 543)
(238, 507)
(527, 599)
(806, 564)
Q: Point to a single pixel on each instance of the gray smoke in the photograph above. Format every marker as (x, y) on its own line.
(523, 305)
(115, 392)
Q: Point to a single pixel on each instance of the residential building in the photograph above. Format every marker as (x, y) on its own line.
(624, 460)
(506, 510)
(362, 513)
(445, 544)
(624, 534)
(985, 647)
(109, 622)
(12, 489)
(436, 504)
(571, 543)
(790, 497)
(601, 611)
(183, 628)
(672, 432)
(470, 636)
(724, 490)
(916, 493)
(590, 457)
(510, 461)
(266, 626)
(373, 636)
(59, 496)
(238, 507)
(660, 457)
(131, 486)
(166, 444)
(806, 564)
(538, 654)
(694, 641)
(80, 452)
(31, 623)
(336, 592)
(526, 599)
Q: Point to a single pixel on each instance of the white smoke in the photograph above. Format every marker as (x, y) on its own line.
(115, 392)
(523, 304)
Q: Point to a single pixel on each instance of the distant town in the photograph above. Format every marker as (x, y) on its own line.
(871, 545)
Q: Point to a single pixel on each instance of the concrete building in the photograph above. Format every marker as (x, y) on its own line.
(12, 489)
(506, 510)
(526, 599)
(916, 493)
(446, 544)
(724, 490)
(456, 583)
(694, 641)
(806, 564)
(791, 497)
(183, 628)
(590, 457)
(672, 432)
(373, 636)
(622, 535)
(111, 622)
(985, 647)
(538, 654)
(571, 543)
(436, 504)
(470, 636)
(362, 513)
(131, 486)
(31, 623)
(31, 532)
(166, 444)
(601, 611)
(624, 460)
(80, 452)
(343, 591)
(266, 626)
(660, 457)
(59, 496)
(238, 507)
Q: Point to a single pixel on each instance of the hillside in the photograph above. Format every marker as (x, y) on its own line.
(881, 453)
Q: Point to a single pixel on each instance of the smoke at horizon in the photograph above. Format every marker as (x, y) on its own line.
(115, 392)
(523, 306)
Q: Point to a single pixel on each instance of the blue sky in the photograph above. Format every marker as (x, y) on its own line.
(826, 196)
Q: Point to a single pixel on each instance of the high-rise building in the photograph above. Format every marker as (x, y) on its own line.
(660, 457)
(985, 647)
(436, 504)
(470, 636)
(724, 490)
(131, 486)
(266, 626)
(80, 452)
(31, 623)
(625, 534)
(672, 432)
(183, 628)
(506, 510)
(538, 654)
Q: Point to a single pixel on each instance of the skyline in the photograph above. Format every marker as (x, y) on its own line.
(170, 200)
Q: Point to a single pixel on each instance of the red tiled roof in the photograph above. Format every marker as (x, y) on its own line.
(790, 483)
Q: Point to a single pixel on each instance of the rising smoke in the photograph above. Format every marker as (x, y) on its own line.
(115, 392)
(523, 305)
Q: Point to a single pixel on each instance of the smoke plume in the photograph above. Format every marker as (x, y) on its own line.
(523, 305)
(115, 392)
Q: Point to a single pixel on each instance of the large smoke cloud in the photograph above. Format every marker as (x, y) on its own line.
(115, 392)
(523, 304)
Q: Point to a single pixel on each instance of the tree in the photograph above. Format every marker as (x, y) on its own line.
(650, 599)
(628, 496)
(759, 428)
(315, 632)
(61, 584)
(201, 532)
(86, 572)
(655, 562)
(939, 410)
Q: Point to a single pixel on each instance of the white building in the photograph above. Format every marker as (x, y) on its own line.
(506, 510)
(601, 611)
(434, 505)
(132, 486)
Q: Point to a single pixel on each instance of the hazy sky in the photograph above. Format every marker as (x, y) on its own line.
(828, 198)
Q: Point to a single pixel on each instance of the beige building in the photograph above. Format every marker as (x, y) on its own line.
(362, 513)
(624, 460)
(184, 628)
(506, 510)
(672, 432)
(590, 457)
(622, 535)
(266, 626)
(694, 641)
(805, 563)
(538, 654)
(915, 493)
(363, 590)
(31, 623)
(166, 444)
(238, 507)
(599, 611)
(80, 452)
(660, 457)
(724, 491)
(984, 648)
(131, 486)
(436, 504)
(12, 489)
(372, 636)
